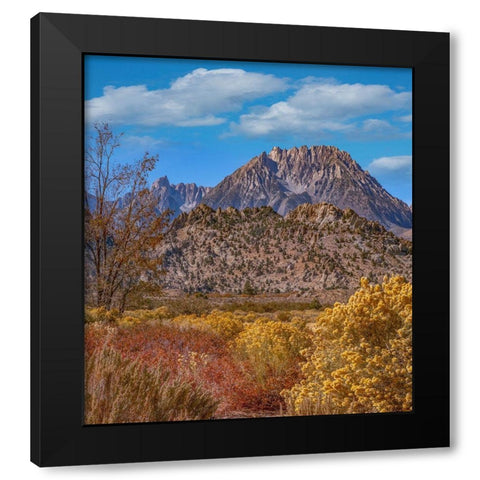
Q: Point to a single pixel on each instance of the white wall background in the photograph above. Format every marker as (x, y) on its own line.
(459, 18)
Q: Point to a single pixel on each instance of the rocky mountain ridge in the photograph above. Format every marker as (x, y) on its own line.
(314, 249)
(284, 179)
(178, 198)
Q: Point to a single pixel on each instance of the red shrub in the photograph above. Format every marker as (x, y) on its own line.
(199, 357)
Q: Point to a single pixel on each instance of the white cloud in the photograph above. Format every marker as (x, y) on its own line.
(405, 118)
(400, 164)
(143, 141)
(374, 129)
(375, 125)
(325, 106)
(195, 99)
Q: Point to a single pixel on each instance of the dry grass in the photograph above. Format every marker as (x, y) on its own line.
(141, 354)
(122, 390)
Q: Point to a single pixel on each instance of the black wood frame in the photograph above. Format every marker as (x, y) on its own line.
(59, 41)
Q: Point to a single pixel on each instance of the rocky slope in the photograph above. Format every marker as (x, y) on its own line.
(178, 198)
(313, 249)
(284, 179)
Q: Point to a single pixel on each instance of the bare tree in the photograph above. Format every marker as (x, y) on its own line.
(122, 226)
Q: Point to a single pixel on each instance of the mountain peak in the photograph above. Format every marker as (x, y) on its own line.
(160, 182)
(275, 150)
(284, 179)
(178, 198)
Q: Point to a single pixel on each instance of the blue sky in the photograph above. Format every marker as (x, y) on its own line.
(206, 118)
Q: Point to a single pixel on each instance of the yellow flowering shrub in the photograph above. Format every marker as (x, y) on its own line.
(249, 317)
(144, 315)
(361, 358)
(101, 314)
(271, 347)
(133, 317)
(128, 321)
(224, 324)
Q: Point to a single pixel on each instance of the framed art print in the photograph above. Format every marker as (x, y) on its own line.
(239, 239)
